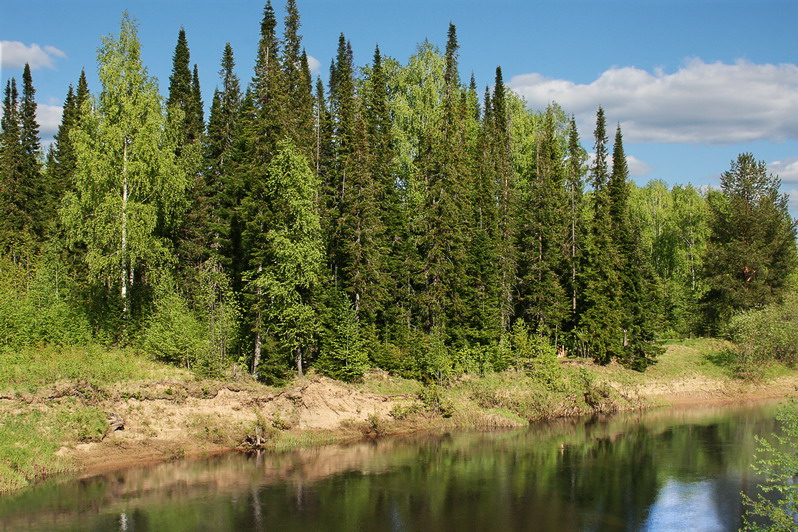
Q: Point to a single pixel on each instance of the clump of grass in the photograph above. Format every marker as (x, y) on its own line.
(34, 367)
(29, 441)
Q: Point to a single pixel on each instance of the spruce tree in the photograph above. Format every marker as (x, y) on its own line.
(298, 118)
(483, 301)
(16, 223)
(599, 331)
(36, 203)
(222, 184)
(506, 200)
(182, 91)
(574, 187)
(287, 261)
(544, 236)
(638, 296)
(443, 232)
(61, 159)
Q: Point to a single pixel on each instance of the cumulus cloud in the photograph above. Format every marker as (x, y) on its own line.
(636, 167)
(313, 64)
(14, 54)
(701, 103)
(49, 118)
(786, 169)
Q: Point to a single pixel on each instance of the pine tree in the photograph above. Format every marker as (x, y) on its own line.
(752, 249)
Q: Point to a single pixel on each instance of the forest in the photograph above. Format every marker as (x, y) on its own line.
(396, 218)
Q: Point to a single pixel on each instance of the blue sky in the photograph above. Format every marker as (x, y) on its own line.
(692, 82)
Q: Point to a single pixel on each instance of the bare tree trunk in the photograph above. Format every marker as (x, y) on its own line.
(125, 274)
(299, 362)
(258, 337)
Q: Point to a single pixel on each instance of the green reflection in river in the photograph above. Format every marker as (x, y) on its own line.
(630, 472)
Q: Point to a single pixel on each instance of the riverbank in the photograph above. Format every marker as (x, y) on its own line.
(58, 408)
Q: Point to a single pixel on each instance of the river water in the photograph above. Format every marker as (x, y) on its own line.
(662, 470)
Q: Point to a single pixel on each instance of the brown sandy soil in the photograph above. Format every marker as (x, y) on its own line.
(182, 421)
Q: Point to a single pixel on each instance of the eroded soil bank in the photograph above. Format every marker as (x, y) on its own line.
(176, 416)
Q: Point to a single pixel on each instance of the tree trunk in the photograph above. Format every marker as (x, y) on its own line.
(299, 372)
(125, 274)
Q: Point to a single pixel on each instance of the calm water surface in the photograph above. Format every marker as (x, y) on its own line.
(656, 471)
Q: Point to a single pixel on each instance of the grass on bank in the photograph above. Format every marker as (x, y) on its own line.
(33, 426)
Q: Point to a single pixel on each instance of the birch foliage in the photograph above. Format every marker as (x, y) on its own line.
(129, 185)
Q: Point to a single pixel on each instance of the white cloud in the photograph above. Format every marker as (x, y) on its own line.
(701, 103)
(786, 169)
(636, 167)
(14, 54)
(49, 118)
(313, 64)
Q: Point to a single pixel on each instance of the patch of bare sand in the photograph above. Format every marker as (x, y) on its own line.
(183, 422)
(177, 423)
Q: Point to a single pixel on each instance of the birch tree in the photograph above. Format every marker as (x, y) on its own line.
(129, 185)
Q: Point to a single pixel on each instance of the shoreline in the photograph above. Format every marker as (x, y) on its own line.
(59, 426)
(117, 453)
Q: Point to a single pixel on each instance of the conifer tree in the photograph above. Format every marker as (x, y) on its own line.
(183, 93)
(483, 275)
(268, 95)
(287, 262)
(443, 237)
(298, 118)
(599, 330)
(575, 188)
(16, 223)
(751, 250)
(61, 158)
(31, 144)
(222, 184)
(506, 233)
(638, 296)
(544, 236)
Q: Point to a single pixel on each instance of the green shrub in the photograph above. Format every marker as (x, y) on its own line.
(776, 504)
(37, 305)
(344, 355)
(765, 335)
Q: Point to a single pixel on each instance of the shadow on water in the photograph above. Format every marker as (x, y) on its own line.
(658, 470)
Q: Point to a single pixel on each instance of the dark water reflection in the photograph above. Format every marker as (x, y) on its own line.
(661, 470)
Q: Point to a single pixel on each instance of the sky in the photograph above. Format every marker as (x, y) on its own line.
(693, 83)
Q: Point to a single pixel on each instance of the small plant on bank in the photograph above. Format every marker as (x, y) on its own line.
(776, 504)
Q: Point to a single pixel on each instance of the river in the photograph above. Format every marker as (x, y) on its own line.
(660, 470)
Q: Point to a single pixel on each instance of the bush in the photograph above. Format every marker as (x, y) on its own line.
(535, 355)
(776, 505)
(343, 354)
(765, 335)
(37, 306)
